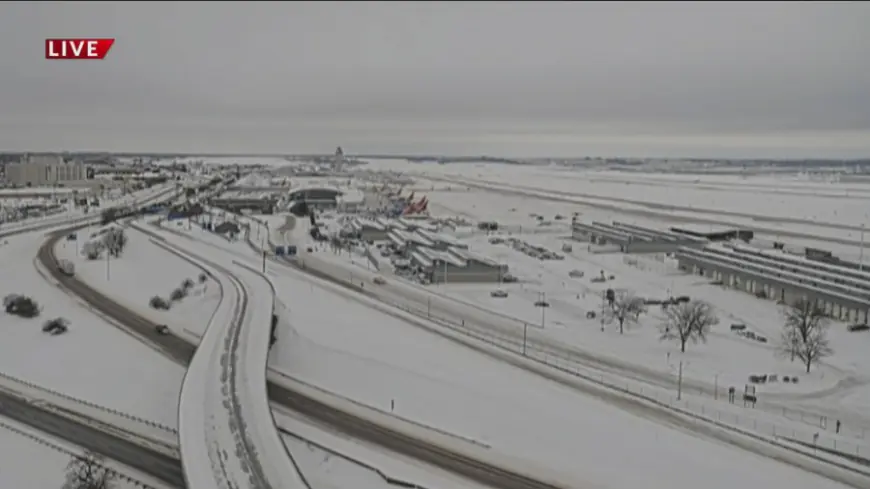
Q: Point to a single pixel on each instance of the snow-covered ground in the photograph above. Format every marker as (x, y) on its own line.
(29, 459)
(330, 460)
(827, 207)
(779, 196)
(387, 364)
(359, 343)
(784, 415)
(94, 361)
(144, 271)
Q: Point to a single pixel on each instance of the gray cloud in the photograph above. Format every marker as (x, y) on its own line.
(506, 78)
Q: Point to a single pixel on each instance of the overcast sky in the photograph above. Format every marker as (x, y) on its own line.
(552, 79)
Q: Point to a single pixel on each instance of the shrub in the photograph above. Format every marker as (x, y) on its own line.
(203, 278)
(159, 303)
(21, 306)
(178, 294)
(187, 284)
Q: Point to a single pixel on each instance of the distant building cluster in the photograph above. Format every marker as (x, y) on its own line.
(45, 170)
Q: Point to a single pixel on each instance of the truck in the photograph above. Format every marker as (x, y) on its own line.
(66, 267)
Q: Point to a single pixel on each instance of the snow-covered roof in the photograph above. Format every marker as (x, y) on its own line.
(802, 262)
(792, 267)
(830, 288)
(396, 239)
(465, 254)
(421, 259)
(413, 237)
(442, 256)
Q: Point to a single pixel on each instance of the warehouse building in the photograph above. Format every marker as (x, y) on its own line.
(630, 238)
(844, 293)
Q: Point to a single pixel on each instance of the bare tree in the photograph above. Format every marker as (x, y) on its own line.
(805, 333)
(625, 309)
(688, 321)
(88, 471)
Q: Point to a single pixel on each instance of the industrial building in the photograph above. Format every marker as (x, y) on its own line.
(45, 170)
(259, 203)
(630, 238)
(843, 292)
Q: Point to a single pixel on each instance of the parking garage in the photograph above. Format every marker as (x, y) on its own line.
(842, 293)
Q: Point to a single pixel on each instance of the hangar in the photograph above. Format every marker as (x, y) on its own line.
(844, 293)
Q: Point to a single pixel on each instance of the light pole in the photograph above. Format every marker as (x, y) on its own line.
(543, 297)
(716, 387)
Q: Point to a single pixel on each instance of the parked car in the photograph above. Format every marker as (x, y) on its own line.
(854, 328)
(738, 327)
(682, 298)
(542, 304)
(501, 294)
(575, 274)
(379, 280)
(162, 329)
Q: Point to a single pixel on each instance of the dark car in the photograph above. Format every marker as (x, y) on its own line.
(162, 329)
(542, 304)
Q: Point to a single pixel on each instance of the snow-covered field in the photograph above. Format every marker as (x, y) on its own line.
(94, 361)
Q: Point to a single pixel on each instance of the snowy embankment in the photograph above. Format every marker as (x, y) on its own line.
(94, 367)
(143, 272)
(224, 408)
(32, 459)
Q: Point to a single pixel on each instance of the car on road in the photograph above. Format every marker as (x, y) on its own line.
(500, 294)
(162, 329)
(379, 280)
(542, 304)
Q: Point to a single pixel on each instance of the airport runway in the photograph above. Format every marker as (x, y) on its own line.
(662, 213)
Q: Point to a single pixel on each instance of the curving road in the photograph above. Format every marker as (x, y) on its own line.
(181, 351)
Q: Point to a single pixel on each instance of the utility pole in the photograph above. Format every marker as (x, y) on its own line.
(861, 251)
